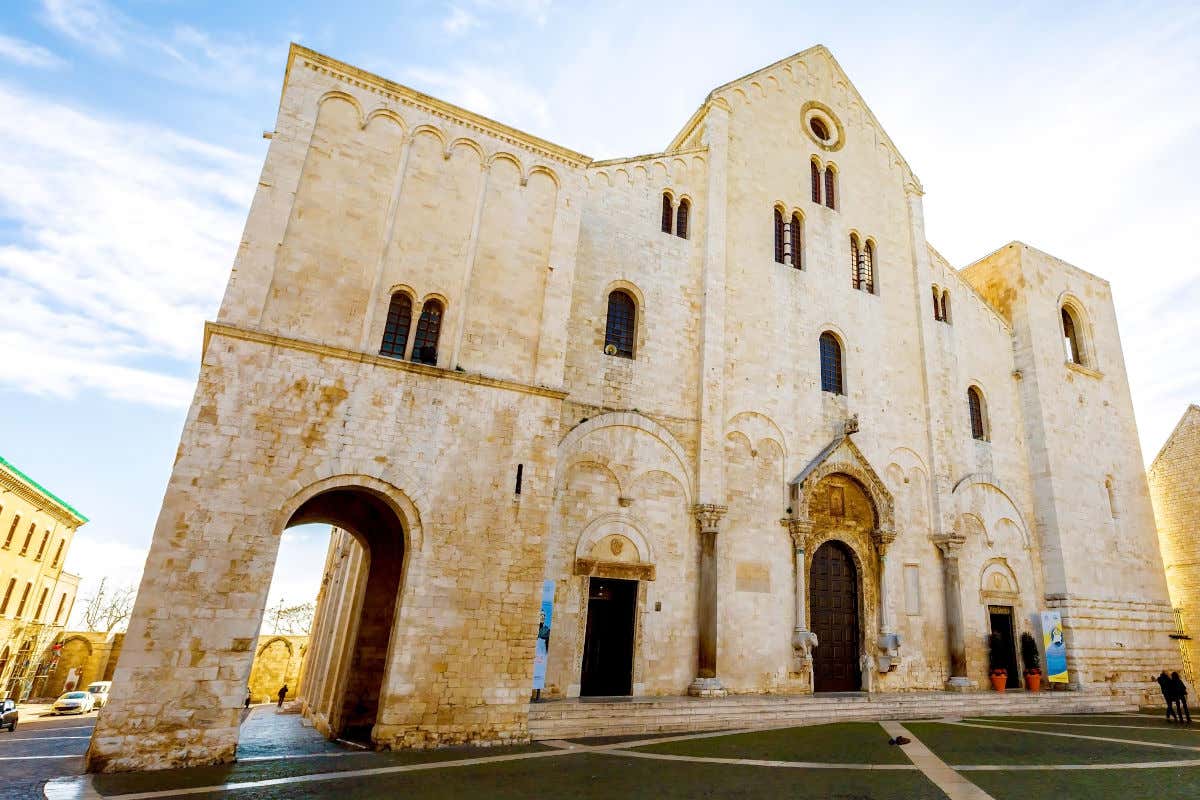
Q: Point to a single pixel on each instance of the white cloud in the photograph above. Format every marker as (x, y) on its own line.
(488, 90)
(122, 239)
(185, 55)
(28, 53)
(459, 21)
(94, 559)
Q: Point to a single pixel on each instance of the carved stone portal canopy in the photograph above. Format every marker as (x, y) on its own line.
(843, 456)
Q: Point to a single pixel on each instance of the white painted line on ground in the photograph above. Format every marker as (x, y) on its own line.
(71, 789)
(955, 786)
(39, 738)
(353, 744)
(1030, 767)
(330, 776)
(33, 758)
(746, 762)
(303, 755)
(1075, 736)
(1077, 724)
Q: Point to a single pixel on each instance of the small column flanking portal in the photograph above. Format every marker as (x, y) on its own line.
(803, 640)
(707, 684)
(950, 545)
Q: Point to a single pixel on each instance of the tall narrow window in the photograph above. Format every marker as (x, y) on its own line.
(12, 584)
(24, 599)
(42, 547)
(854, 281)
(62, 601)
(978, 414)
(779, 235)
(12, 530)
(58, 554)
(946, 306)
(1112, 497)
(867, 279)
(831, 364)
(681, 218)
(668, 213)
(429, 327)
(937, 305)
(815, 171)
(1071, 337)
(796, 241)
(621, 325)
(830, 191)
(28, 538)
(395, 331)
(41, 605)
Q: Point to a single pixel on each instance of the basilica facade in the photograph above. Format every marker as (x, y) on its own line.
(725, 401)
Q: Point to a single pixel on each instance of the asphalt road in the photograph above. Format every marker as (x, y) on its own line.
(42, 747)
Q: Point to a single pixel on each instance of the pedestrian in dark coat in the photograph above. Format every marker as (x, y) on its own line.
(283, 693)
(1179, 694)
(1164, 685)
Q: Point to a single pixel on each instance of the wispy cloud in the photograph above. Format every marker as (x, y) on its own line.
(182, 54)
(491, 91)
(122, 237)
(28, 53)
(459, 21)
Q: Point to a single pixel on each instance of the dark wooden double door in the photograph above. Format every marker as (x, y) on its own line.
(833, 606)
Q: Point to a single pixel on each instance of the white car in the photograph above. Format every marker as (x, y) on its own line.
(74, 703)
(99, 692)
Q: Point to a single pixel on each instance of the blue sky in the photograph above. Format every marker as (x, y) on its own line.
(131, 139)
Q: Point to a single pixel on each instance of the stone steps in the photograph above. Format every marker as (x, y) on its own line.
(571, 718)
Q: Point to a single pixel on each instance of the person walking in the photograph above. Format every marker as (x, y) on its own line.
(283, 690)
(1164, 685)
(1179, 693)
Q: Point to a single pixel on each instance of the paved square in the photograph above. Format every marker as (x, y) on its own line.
(1082, 756)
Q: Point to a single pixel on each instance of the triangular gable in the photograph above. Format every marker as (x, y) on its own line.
(842, 456)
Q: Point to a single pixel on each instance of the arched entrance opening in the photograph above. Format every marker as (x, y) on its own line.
(833, 600)
(346, 660)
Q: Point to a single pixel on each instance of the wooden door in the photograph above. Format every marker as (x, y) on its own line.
(833, 604)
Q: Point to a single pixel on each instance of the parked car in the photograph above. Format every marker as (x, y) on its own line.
(73, 703)
(8, 715)
(99, 692)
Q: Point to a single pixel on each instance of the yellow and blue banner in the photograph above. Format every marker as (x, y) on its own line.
(1055, 646)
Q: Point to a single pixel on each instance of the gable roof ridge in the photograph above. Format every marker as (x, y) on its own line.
(1191, 410)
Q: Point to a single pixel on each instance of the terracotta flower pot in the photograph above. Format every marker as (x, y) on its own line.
(1033, 681)
(999, 679)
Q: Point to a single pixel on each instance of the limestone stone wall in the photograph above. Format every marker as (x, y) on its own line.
(1174, 477)
(88, 656)
(277, 663)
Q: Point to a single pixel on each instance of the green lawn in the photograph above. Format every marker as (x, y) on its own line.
(1096, 719)
(956, 744)
(838, 743)
(1163, 734)
(1126, 784)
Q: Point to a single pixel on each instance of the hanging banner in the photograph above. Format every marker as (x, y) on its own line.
(1055, 646)
(543, 636)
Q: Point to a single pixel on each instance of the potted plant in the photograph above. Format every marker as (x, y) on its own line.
(996, 669)
(1031, 660)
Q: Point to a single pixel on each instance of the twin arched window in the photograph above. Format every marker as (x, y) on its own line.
(789, 239)
(862, 264)
(399, 322)
(826, 177)
(831, 364)
(941, 305)
(621, 326)
(978, 411)
(675, 220)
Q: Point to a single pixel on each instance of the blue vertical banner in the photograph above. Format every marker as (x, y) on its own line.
(1055, 645)
(541, 654)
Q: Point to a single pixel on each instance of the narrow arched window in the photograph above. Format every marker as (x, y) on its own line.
(867, 277)
(946, 306)
(1071, 337)
(12, 584)
(395, 330)
(668, 213)
(681, 219)
(24, 599)
(815, 171)
(41, 604)
(42, 547)
(1113, 511)
(28, 538)
(831, 364)
(621, 325)
(830, 191)
(58, 554)
(62, 603)
(937, 305)
(12, 529)
(429, 327)
(854, 273)
(978, 414)
(780, 248)
(796, 241)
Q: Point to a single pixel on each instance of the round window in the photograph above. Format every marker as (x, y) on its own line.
(821, 125)
(819, 129)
